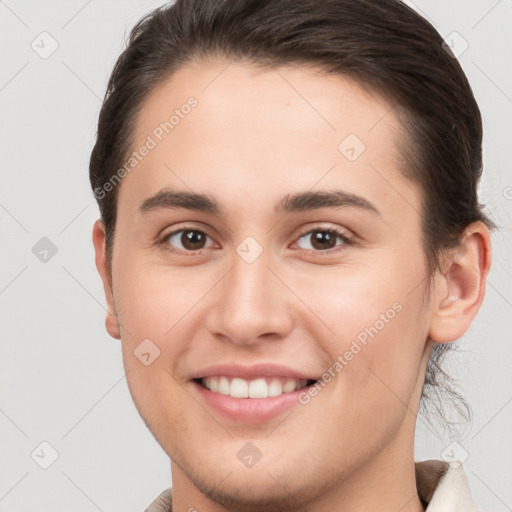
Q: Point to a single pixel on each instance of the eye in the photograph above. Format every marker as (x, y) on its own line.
(186, 240)
(323, 239)
(191, 240)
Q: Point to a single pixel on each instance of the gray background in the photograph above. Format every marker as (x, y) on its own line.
(61, 375)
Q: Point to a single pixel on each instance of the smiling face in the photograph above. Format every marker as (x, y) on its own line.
(269, 242)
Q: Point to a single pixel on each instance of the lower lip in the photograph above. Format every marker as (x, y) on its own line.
(248, 410)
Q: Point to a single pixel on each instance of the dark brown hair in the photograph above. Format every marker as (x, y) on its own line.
(383, 45)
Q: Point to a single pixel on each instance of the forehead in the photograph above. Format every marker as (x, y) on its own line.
(254, 132)
(240, 96)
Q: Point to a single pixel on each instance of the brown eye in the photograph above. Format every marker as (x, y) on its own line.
(187, 240)
(323, 239)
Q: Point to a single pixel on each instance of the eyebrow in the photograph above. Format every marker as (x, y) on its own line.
(167, 199)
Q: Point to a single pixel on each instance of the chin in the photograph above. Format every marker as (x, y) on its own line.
(250, 492)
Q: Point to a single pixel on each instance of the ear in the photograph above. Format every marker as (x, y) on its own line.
(99, 239)
(460, 285)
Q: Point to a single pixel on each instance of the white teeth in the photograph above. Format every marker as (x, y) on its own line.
(214, 385)
(275, 388)
(223, 386)
(289, 386)
(239, 388)
(258, 388)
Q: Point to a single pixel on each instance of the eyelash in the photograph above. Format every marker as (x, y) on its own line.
(346, 240)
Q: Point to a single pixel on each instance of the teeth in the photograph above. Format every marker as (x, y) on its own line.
(289, 386)
(275, 388)
(223, 385)
(239, 388)
(214, 385)
(258, 388)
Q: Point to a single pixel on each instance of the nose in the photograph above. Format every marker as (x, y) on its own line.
(251, 304)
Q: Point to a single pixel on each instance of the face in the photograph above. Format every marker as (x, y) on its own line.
(299, 279)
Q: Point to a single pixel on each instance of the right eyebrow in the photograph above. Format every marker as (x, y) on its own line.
(169, 199)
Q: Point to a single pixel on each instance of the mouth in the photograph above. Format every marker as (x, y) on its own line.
(261, 387)
(251, 394)
(250, 402)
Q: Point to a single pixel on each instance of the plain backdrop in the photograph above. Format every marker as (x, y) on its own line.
(61, 376)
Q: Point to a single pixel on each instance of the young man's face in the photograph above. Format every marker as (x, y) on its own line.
(263, 290)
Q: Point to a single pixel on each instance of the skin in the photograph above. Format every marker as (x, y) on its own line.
(255, 136)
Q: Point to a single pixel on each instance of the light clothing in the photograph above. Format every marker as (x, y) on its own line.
(443, 486)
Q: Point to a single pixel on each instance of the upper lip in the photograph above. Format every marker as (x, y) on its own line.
(251, 372)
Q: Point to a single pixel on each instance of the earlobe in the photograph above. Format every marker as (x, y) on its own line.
(99, 239)
(460, 285)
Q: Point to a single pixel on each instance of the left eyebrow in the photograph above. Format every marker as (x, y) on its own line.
(304, 201)
(298, 202)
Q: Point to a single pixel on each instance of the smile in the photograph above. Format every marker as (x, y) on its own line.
(262, 387)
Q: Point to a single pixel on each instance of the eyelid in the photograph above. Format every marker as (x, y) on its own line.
(193, 225)
(321, 227)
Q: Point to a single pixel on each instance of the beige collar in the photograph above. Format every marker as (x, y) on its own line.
(444, 486)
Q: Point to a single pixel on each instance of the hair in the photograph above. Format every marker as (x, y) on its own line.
(383, 45)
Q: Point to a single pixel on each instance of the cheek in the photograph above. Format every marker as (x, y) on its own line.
(151, 301)
(159, 307)
(361, 304)
(380, 327)
(154, 307)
